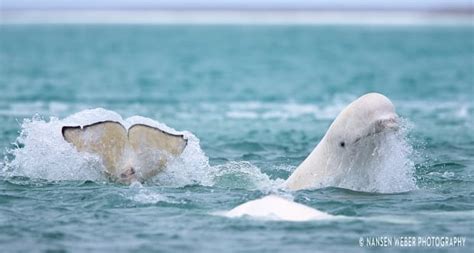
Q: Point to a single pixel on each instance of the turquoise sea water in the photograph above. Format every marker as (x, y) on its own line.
(258, 98)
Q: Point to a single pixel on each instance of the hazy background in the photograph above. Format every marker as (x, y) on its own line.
(240, 4)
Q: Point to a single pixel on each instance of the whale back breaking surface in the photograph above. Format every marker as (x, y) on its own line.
(273, 207)
(144, 148)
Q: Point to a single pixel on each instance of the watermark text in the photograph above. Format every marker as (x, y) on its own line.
(412, 241)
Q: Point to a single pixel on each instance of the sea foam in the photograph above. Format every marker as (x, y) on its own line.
(41, 151)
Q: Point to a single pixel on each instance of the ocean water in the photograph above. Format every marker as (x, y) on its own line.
(254, 101)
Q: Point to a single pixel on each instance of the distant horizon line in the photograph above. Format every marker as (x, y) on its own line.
(451, 8)
(267, 17)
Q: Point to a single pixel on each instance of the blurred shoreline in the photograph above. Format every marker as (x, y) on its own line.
(239, 16)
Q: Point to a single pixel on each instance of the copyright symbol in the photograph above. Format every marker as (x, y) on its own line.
(361, 242)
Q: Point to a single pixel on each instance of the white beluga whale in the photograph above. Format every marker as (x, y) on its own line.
(134, 154)
(348, 149)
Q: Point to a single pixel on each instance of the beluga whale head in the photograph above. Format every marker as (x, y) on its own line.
(348, 152)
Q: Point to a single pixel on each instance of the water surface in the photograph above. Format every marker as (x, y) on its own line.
(258, 99)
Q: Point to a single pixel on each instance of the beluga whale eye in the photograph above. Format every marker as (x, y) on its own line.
(349, 143)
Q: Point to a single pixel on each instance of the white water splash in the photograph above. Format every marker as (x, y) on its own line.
(190, 168)
(388, 168)
(43, 153)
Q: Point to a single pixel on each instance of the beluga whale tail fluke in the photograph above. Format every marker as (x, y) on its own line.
(347, 148)
(134, 154)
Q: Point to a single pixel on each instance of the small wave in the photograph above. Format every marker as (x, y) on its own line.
(287, 110)
(244, 175)
(446, 174)
(440, 111)
(138, 193)
(402, 220)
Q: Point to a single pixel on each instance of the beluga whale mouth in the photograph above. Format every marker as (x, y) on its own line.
(352, 147)
(134, 154)
(390, 123)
